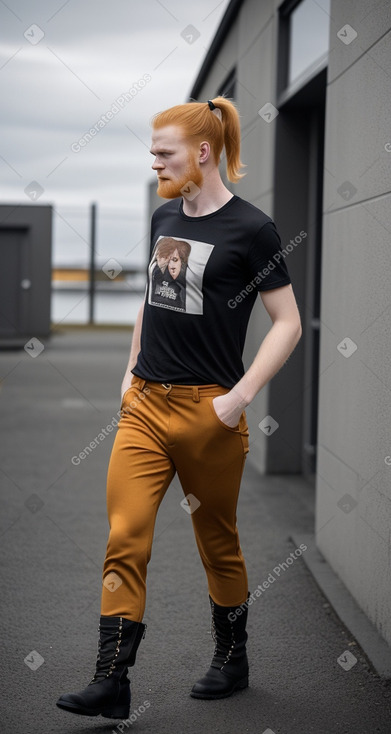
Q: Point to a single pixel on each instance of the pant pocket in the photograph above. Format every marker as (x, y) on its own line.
(233, 429)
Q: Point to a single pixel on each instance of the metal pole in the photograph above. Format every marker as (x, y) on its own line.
(92, 260)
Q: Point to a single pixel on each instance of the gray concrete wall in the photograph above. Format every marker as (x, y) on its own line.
(353, 502)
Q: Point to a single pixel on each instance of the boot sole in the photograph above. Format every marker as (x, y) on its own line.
(113, 713)
(116, 713)
(239, 685)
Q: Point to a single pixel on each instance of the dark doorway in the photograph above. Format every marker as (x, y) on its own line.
(14, 283)
(298, 195)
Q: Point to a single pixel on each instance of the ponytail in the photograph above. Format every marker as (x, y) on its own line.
(220, 127)
(231, 132)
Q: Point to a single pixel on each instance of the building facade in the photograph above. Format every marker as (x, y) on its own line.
(25, 274)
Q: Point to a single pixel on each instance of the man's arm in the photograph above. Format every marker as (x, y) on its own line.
(134, 350)
(274, 351)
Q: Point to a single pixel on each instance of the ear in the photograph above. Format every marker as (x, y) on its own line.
(204, 151)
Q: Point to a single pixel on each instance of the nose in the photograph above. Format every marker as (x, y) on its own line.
(157, 165)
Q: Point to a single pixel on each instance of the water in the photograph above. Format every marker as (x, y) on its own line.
(72, 307)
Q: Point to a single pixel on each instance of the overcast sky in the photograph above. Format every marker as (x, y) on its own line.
(75, 63)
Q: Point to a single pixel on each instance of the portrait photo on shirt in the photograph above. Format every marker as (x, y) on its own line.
(175, 274)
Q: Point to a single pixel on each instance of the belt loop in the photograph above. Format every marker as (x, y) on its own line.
(196, 396)
(141, 382)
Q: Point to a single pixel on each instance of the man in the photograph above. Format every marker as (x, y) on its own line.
(184, 396)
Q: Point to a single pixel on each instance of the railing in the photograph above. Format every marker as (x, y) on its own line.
(103, 280)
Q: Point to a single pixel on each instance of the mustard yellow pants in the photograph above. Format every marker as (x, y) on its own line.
(164, 429)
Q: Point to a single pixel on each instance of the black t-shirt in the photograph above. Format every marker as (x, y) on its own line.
(203, 277)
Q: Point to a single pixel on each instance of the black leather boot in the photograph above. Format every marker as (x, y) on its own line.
(108, 693)
(229, 668)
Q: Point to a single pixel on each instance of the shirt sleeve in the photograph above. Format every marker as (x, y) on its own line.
(265, 260)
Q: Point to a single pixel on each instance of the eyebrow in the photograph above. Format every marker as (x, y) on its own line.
(162, 150)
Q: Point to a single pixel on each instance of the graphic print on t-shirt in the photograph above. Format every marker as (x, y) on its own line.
(175, 274)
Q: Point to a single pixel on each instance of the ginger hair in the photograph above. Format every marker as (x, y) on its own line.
(167, 245)
(198, 122)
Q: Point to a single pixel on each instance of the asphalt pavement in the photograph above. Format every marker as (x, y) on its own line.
(308, 674)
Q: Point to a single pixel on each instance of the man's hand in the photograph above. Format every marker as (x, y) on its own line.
(229, 407)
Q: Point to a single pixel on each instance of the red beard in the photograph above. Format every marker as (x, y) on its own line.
(171, 189)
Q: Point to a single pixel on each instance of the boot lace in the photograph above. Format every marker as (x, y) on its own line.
(102, 669)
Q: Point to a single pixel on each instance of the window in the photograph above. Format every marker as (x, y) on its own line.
(309, 25)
